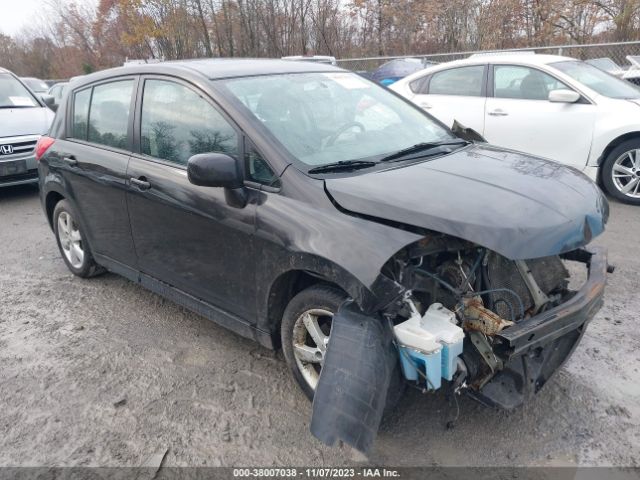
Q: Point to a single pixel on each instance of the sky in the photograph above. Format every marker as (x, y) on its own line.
(16, 14)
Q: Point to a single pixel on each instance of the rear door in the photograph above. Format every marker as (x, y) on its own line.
(188, 236)
(454, 94)
(93, 161)
(520, 116)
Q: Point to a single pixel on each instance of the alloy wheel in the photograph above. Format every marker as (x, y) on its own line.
(310, 338)
(70, 240)
(626, 173)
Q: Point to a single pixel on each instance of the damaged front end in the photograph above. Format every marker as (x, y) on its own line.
(468, 320)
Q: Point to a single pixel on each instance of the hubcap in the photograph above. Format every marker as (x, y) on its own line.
(626, 173)
(70, 239)
(310, 339)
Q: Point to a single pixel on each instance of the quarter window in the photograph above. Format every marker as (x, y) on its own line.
(257, 169)
(512, 81)
(464, 81)
(81, 114)
(109, 113)
(177, 123)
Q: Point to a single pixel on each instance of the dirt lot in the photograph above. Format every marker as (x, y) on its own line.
(102, 372)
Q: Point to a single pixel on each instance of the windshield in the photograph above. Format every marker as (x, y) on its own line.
(323, 118)
(597, 80)
(14, 94)
(36, 85)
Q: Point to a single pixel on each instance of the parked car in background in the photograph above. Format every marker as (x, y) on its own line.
(24, 117)
(329, 60)
(394, 70)
(57, 91)
(271, 196)
(546, 105)
(38, 86)
(630, 72)
(606, 64)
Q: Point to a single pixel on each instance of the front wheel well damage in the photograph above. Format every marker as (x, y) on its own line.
(283, 289)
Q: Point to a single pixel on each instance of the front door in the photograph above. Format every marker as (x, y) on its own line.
(188, 236)
(520, 116)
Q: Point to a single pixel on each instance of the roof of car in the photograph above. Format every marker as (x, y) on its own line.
(216, 68)
(521, 58)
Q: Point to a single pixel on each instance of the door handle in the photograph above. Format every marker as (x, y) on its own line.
(498, 113)
(426, 106)
(70, 160)
(141, 183)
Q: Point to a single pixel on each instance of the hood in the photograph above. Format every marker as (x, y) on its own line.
(519, 206)
(24, 121)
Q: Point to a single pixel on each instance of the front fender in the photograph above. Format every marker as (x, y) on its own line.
(346, 250)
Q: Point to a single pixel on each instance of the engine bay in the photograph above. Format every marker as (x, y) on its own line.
(467, 321)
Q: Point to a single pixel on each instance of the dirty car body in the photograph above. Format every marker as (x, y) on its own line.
(319, 177)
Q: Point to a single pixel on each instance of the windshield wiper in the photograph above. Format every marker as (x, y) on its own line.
(421, 147)
(343, 165)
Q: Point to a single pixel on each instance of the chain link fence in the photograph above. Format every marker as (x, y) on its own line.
(617, 52)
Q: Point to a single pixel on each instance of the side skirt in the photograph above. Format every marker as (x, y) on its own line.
(211, 312)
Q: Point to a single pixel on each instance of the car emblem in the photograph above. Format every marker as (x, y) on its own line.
(6, 149)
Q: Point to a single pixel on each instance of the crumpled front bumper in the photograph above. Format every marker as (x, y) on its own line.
(533, 349)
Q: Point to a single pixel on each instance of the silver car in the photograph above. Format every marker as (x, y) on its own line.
(24, 117)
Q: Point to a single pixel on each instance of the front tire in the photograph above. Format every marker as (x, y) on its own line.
(71, 241)
(304, 331)
(621, 172)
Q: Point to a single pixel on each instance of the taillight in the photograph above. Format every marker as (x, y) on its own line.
(42, 146)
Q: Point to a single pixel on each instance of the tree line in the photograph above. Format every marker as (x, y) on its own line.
(73, 37)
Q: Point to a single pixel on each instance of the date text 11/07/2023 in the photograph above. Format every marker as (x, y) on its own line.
(315, 472)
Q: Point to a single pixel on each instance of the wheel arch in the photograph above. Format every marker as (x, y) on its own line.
(286, 286)
(615, 142)
(51, 200)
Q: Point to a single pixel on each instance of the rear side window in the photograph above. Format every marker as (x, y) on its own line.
(101, 114)
(464, 81)
(420, 86)
(177, 123)
(109, 114)
(81, 114)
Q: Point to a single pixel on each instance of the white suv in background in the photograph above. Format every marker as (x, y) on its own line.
(546, 105)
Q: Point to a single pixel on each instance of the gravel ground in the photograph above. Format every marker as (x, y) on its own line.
(102, 372)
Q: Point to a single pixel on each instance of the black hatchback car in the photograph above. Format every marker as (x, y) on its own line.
(289, 201)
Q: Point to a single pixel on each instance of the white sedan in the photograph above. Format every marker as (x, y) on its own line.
(551, 106)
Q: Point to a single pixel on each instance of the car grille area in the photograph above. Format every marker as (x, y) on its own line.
(10, 148)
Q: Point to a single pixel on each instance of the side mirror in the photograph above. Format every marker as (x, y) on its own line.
(214, 170)
(48, 100)
(218, 170)
(563, 96)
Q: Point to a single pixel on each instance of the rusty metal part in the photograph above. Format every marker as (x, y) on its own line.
(491, 362)
(477, 317)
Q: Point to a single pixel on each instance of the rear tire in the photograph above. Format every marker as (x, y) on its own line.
(71, 241)
(621, 171)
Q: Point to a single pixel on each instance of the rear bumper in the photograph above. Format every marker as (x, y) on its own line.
(532, 350)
